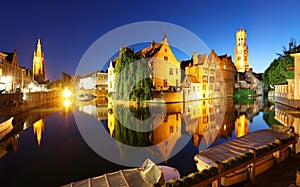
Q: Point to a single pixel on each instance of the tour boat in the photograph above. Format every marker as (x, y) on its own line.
(86, 97)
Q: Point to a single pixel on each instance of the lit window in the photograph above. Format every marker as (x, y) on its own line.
(165, 83)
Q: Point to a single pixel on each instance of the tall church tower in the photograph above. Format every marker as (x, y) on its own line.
(38, 66)
(241, 51)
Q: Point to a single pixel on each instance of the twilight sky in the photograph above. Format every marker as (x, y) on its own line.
(68, 28)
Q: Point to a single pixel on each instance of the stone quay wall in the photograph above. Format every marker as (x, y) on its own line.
(17, 102)
(289, 102)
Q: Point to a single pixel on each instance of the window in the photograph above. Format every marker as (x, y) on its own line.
(165, 83)
(203, 87)
(176, 82)
(171, 129)
(165, 58)
(166, 119)
(176, 71)
(212, 79)
(110, 84)
(171, 71)
(204, 79)
(166, 50)
(205, 119)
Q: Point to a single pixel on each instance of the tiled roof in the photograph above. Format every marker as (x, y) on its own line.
(192, 78)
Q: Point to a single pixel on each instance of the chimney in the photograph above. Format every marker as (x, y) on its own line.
(152, 43)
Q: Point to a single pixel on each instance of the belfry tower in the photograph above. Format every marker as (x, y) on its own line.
(241, 51)
(38, 66)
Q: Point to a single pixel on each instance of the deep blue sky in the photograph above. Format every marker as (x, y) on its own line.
(67, 28)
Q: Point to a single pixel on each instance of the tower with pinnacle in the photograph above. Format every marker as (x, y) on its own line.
(38, 66)
(241, 51)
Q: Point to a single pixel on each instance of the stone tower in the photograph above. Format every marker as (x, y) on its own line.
(241, 51)
(38, 66)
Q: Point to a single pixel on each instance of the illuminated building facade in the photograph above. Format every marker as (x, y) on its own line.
(289, 93)
(164, 67)
(241, 51)
(228, 71)
(38, 66)
(13, 77)
(205, 68)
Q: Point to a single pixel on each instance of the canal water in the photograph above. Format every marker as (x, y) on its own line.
(50, 147)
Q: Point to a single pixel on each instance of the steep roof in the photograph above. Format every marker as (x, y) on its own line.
(151, 50)
(192, 78)
(201, 59)
(9, 56)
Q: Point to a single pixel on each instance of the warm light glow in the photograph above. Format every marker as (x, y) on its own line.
(67, 93)
(67, 103)
(38, 128)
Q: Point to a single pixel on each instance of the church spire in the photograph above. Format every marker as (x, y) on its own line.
(39, 48)
(38, 66)
(165, 35)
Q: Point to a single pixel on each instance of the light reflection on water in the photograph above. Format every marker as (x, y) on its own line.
(46, 142)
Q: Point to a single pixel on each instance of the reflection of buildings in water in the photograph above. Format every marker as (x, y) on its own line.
(38, 128)
(168, 132)
(204, 120)
(228, 120)
(250, 110)
(111, 123)
(21, 122)
(289, 117)
(241, 126)
(97, 112)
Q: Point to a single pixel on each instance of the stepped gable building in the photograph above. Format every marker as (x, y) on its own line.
(241, 51)
(210, 70)
(13, 77)
(163, 65)
(38, 66)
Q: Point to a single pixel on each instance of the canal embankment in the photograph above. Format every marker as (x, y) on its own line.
(14, 103)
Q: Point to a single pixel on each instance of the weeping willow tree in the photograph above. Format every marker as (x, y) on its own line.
(134, 118)
(132, 72)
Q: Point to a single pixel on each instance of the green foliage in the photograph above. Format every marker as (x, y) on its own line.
(66, 80)
(138, 138)
(193, 178)
(269, 117)
(131, 70)
(242, 93)
(233, 162)
(277, 73)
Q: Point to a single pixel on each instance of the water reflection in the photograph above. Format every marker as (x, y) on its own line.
(205, 121)
(288, 116)
(12, 129)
